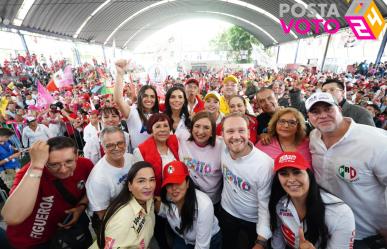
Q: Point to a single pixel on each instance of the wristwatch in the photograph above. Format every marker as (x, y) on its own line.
(263, 243)
(6, 159)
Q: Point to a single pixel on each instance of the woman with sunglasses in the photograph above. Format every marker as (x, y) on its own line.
(189, 211)
(136, 115)
(134, 205)
(302, 215)
(288, 133)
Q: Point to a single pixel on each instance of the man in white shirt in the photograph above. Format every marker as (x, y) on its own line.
(247, 175)
(108, 176)
(349, 160)
(34, 132)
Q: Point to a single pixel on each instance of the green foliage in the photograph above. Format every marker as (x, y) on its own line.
(237, 42)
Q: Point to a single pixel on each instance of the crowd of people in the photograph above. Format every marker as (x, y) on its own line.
(253, 158)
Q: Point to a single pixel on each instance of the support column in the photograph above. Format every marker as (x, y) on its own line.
(381, 48)
(77, 55)
(104, 54)
(325, 52)
(295, 56)
(278, 52)
(24, 43)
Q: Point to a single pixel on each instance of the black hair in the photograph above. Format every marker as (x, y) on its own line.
(6, 132)
(120, 200)
(188, 211)
(334, 80)
(184, 110)
(315, 210)
(61, 142)
(109, 110)
(140, 106)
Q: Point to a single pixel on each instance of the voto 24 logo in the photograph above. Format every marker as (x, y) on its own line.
(363, 17)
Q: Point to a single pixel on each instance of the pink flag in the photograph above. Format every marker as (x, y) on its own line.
(67, 78)
(44, 98)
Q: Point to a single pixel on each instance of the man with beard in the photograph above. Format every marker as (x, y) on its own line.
(349, 160)
(247, 175)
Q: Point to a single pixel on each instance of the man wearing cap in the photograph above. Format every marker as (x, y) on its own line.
(230, 88)
(90, 136)
(195, 104)
(247, 175)
(349, 161)
(359, 114)
(34, 132)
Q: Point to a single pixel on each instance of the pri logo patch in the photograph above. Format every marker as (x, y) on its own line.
(170, 169)
(348, 173)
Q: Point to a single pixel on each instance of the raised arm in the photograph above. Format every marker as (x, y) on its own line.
(21, 202)
(119, 88)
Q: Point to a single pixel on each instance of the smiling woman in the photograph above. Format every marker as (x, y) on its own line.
(288, 132)
(297, 203)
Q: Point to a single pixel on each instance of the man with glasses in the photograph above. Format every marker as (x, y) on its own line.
(35, 208)
(356, 112)
(349, 160)
(108, 176)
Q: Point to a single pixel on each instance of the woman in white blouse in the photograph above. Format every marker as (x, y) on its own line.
(189, 211)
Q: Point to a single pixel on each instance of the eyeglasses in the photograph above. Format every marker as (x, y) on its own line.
(68, 164)
(112, 146)
(291, 123)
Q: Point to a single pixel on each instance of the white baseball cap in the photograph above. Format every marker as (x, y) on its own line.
(319, 97)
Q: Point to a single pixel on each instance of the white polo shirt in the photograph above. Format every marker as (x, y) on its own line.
(354, 169)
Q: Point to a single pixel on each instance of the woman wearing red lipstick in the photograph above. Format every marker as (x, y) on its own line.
(301, 214)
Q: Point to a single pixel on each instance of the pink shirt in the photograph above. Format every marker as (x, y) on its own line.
(274, 149)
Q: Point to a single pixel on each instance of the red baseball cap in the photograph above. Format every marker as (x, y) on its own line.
(174, 172)
(192, 80)
(290, 159)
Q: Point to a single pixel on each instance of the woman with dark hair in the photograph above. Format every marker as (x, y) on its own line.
(301, 214)
(176, 107)
(129, 220)
(237, 104)
(136, 115)
(160, 148)
(189, 211)
(201, 153)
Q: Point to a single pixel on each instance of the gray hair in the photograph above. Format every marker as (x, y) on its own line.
(110, 130)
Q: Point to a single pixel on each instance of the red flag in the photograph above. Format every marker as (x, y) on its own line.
(51, 86)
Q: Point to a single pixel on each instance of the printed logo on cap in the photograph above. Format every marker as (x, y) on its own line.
(170, 169)
(287, 159)
(347, 173)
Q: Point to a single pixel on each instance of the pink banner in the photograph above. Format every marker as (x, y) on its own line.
(44, 98)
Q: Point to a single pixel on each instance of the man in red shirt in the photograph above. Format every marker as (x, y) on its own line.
(35, 208)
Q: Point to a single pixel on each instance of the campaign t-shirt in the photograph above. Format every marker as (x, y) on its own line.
(49, 208)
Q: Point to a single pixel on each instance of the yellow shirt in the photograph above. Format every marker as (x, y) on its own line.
(223, 106)
(130, 227)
